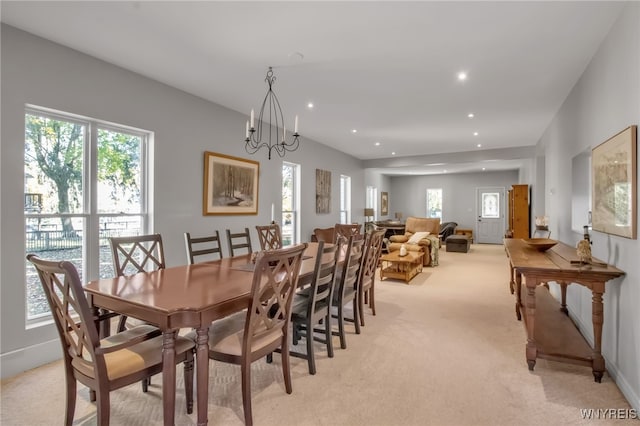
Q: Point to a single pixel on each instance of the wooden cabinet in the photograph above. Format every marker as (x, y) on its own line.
(519, 215)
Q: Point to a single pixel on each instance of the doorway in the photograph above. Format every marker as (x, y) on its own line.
(490, 211)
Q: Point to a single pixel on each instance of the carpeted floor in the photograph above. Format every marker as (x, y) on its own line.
(444, 350)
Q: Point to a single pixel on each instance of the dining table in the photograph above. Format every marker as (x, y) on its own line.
(185, 296)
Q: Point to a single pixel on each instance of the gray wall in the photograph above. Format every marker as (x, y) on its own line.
(605, 100)
(408, 193)
(39, 72)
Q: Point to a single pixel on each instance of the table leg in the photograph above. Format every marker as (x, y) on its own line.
(530, 312)
(518, 295)
(202, 371)
(169, 376)
(511, 283)
(563, 303)
(598, 319)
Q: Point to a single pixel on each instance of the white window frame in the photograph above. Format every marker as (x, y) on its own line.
(345, 199)
(295, 202)
(441, 202)
(371, 201)
(90, 214)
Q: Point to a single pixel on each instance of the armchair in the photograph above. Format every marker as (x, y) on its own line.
(429, 244)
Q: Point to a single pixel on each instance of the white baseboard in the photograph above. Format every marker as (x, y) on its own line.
(16, 362)
(626, 389)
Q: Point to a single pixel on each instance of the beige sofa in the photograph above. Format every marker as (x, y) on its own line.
(430, 244)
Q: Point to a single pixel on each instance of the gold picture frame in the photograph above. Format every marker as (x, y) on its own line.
(614, 175)
(230, 185)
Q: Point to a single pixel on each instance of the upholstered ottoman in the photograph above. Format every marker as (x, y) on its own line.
(458, 243)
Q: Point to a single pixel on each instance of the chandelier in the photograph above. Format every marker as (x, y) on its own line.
(271, 132)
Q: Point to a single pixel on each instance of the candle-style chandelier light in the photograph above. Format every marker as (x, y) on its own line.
(271, 132)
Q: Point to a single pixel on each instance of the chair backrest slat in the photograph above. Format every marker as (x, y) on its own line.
(324, 276)
(352, 263)
(239, 240)
(208, 246)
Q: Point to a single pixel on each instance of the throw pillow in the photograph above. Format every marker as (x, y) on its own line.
(415, 238)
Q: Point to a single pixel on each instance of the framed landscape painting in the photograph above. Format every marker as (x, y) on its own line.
(614, 190)
(230, 185)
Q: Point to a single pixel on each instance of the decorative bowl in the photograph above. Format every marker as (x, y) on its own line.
(540, 244)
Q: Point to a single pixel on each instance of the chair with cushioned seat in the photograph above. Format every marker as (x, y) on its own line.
(108, 364)
(367, 277)
(250, 335)
(314, 306)
(346, 286)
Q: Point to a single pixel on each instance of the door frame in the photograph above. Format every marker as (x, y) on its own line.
(503, 213)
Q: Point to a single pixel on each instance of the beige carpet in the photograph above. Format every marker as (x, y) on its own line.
(444, 350)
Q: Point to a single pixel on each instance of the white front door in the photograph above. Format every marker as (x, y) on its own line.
(491, 215)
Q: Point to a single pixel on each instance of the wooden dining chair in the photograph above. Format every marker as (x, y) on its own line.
(346, 230)
(208, 246)
(314, 306)
(270, 236)
(325, 234)
(367, 273)
(346, 287)
(239, 240)
(257, 332)
(108, 364)
(133, 254)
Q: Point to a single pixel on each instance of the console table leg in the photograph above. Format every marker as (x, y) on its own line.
(511, 283)
(530, 312)
(563, 291)
(598, 319)
(518, 295)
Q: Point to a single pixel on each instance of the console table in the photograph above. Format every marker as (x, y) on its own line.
(550, 332)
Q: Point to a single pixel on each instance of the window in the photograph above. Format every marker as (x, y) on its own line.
(83, 183)
(434, 203)
(345, 199)
(371, 201)
(290, 203)
(490, 205)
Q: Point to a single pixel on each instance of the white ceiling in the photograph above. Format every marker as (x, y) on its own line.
(387, 69)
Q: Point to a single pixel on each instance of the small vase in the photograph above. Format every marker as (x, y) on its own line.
(403, 250)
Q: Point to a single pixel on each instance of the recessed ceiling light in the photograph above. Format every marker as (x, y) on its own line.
(444, 171)
(470, 115)
(475, 133)
(393, 153)
(479, 145)
(462, 76)
(377, 143)
(484, 168)
(310, 105)
(354, 131)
